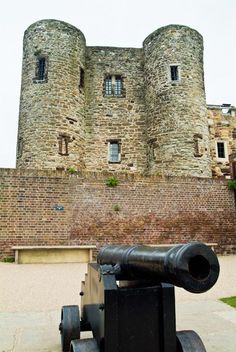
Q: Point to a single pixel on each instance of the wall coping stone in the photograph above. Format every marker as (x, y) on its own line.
(101, 176)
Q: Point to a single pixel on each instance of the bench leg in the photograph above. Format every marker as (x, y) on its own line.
(16, 256)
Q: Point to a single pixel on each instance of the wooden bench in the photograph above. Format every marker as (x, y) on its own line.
(65, 254)
(53, 254)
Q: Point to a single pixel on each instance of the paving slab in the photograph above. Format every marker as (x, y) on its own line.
(31, 297)
(212, 320)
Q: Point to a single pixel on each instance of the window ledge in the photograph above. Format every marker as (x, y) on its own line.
(222, 160)
(40, 80)
(174, 83)
(113, 96)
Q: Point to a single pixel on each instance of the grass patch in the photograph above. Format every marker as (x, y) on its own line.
(231, 301)
(8, 260)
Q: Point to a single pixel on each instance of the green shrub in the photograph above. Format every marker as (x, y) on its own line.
(112, 181)
(8, 260)
(231, 184)
(38, 52)
(116, 207)
(71, 170)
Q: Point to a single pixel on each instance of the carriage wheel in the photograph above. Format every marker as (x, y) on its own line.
(85, 345)
(69, 326)
(189, 341)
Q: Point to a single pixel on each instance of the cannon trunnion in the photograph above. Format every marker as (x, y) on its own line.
(127, 299)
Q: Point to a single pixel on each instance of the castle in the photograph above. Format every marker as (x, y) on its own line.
(139, 115)
(135, 110)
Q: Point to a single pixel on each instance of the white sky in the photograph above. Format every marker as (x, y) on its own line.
(124, 23)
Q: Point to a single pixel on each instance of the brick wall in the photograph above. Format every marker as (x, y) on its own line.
(53, 208)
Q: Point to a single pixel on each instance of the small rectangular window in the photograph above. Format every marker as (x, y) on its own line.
(174, 73)
(198, 145)
(41, 70)
(234, 133)
(81, 81)
(20, 147)
(221, 150)
(114, 152)
(63, 141)
(113, 86)
(108, 85)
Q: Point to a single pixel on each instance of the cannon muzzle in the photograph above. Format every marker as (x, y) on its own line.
(193, 266)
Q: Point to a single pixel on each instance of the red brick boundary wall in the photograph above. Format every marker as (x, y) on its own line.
(54, 208)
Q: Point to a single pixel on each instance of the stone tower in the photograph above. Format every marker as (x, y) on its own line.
(175, 100)
(113, 109)
(52, 98)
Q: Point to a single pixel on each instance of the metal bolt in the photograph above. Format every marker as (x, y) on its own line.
(101, 306)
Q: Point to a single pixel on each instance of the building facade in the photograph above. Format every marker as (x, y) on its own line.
(135, 110)
(222, 129)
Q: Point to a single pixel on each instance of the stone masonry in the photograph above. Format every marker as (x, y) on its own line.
(80, 104)
(222, 128)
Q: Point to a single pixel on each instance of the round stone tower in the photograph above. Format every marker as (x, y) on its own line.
(51, 132)
(178, 139)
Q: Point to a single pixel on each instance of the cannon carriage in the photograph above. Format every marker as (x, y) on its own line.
(127, 299)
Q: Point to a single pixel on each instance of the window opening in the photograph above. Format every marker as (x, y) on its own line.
(113, 85)
(114, 152)
(174, 73)
(198, 149)
(20, 147)
(234, 133)
(63, 142)
(81, 82)
(225, 108)
(221, 150)
(41, 70)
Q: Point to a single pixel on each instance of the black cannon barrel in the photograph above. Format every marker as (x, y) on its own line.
(193, 266)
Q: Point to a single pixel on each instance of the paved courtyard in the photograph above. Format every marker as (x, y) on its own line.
(31, 297)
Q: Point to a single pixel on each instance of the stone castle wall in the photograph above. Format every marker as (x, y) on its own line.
(161, 127)
(177, 129)
(52, 108)
(52, 208)
(222, 128)
(115, 118)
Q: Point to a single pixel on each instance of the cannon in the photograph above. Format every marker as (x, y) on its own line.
(128, 303)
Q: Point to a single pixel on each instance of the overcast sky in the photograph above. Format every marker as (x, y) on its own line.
(124, 23)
